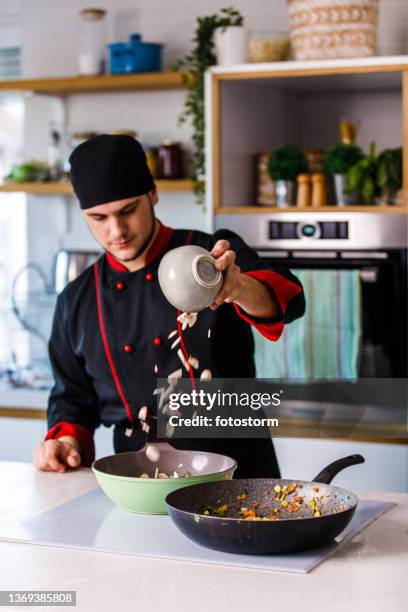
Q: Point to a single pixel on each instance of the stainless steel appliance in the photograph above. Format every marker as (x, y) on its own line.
(68, 264)
(373, 243)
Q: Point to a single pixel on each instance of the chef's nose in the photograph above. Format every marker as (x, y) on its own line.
(117, 227)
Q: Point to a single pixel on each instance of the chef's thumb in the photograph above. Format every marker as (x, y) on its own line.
(73, 458)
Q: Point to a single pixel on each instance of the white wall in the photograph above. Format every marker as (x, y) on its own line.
(169, 21)
(49, 33)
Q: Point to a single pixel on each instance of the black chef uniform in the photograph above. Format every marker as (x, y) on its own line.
(110, 334)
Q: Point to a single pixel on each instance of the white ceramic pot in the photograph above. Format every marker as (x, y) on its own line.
(343, 198)
(231, 45)
(285, 193)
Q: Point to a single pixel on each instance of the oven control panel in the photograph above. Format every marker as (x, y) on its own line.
(308, 230)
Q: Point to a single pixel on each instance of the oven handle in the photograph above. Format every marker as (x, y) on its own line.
(368, 275)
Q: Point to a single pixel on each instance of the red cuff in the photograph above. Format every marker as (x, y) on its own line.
(284, 290)
(80, 433)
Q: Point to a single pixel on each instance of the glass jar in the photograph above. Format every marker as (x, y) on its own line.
(267, 46)
(92, 42)
(152, 160)
(170, 156)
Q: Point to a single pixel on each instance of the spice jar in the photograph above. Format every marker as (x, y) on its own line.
(303, 190)
(92, 42)
(170, 155)
(319, 196)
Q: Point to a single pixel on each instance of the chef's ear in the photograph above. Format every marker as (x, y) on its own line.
(153, 196)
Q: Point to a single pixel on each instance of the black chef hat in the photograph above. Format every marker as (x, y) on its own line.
(107, 168)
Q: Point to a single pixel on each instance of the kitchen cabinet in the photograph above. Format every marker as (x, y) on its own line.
(255, 108)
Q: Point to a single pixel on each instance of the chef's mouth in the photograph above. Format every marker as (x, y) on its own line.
(122, 244)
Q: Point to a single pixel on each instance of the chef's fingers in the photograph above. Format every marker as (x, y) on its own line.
(227, 293)
(73, 458)
(220, 247)
(225, 260)
(54, 456)
(40, 459)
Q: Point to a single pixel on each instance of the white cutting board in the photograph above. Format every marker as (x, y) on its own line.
(92, 522)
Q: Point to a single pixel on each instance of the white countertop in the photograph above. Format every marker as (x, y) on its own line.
(370, 573)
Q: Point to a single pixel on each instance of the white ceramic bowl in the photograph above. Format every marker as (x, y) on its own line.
(189, 279)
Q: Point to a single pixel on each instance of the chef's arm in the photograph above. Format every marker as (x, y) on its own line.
(256, 299)
(73, 403)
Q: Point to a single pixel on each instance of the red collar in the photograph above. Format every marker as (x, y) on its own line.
(156, 248)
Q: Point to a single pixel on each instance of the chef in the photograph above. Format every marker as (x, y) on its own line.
(109, 342)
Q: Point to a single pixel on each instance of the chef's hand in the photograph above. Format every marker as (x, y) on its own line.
(225, 262)
(248, 293)
(57, 455)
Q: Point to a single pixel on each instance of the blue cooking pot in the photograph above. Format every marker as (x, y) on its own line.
(134, 56)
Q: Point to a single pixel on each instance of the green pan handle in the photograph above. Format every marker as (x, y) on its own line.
(329, 472)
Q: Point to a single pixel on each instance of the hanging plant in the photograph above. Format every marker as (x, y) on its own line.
(194, 65)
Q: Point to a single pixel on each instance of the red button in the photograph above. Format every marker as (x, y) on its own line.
(157, 341)
(120, 286)
(128, 348)
(149, 276)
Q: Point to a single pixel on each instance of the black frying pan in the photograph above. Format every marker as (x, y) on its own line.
(225, 528)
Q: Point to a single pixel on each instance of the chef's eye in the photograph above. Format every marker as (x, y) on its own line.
(128, 211)
(98, 217)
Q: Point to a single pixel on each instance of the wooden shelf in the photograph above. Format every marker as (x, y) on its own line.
(267, 100)
(96, 84)
(65, 188)
(251, 210)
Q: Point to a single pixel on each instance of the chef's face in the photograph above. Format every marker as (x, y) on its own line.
(123, 227)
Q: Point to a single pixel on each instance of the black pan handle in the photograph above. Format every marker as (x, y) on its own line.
(329, 472)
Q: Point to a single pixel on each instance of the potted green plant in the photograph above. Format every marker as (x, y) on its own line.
(389, 175)
(338, 161)
(362, 177)
(231, 41)
(284, 165)
(194, 65)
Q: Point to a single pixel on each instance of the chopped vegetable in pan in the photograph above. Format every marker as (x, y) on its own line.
(285, 502)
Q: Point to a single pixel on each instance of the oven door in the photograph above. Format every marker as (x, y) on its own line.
(383, 277)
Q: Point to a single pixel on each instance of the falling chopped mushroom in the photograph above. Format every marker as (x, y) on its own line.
(142, 416)
(152, 453)
(206, 375)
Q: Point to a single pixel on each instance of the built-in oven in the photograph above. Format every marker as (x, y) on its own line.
(375, 244)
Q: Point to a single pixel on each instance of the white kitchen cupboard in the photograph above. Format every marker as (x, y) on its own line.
(256, 108)
(385, 467)
(20, 436)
